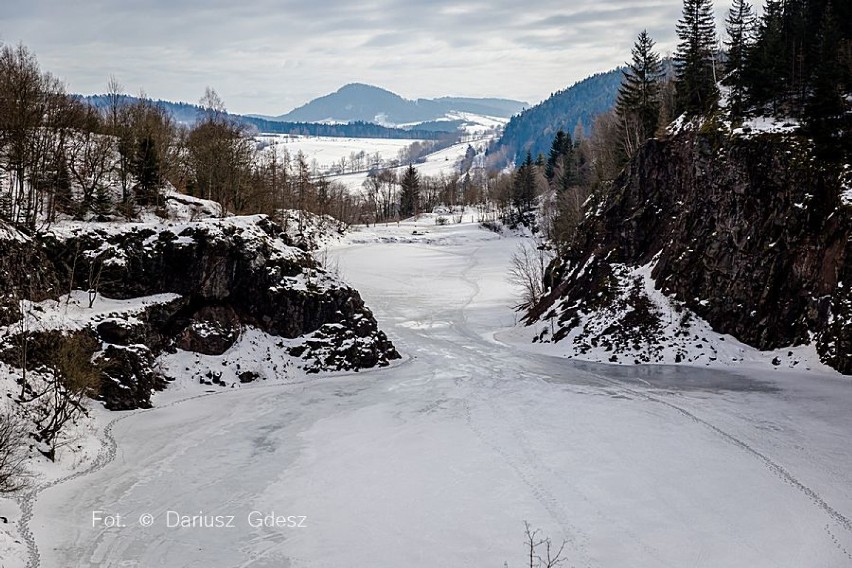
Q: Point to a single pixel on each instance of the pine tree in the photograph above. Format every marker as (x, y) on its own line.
(409, 192)
(146, 170)
(638, 104)
(524, 186)
(740, 28)
(797, 33)
(695, 58)
(764, 80)
(826, 112)
(561, 151)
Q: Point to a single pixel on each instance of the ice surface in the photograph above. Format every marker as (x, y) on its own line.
(440, 459)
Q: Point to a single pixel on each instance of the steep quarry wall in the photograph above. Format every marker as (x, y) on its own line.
(745, 231)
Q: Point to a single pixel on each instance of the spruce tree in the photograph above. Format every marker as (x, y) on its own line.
(826, 111)
(740, 28)
(409, 192)
(638, 104)
(561, 153)
(524, 186)
(146, 169)
(695, 59)
(764, 81)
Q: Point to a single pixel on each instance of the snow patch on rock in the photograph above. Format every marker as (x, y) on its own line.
(639, 325)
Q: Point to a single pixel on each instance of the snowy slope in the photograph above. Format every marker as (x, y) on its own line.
(674, 335)
(324, 154)
(327, 151)
(441, 162)
(439, 460)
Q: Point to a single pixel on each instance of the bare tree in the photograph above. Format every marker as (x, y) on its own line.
(91, 158)
(527, 271)
(605, 147)
(33, 108)
(534, 543)
(118, 117)
(221, 156)
(13, 443)
(96, 266)
(73, 377)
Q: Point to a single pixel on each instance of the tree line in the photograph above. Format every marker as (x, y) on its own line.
(62, 157)
(794, 61)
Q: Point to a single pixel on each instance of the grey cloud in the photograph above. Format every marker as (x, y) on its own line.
(270, 55)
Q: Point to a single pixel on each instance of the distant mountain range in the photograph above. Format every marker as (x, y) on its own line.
(188, 114)
(534, 128)
(359, 102)
(358, 110)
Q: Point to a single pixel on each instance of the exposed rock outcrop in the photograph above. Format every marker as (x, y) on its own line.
(203, 283)
(745, 231)
(22, 274)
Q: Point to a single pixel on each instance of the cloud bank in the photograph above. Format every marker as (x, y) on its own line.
(266, 56)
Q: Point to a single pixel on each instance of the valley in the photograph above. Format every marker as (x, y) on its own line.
(439, 460)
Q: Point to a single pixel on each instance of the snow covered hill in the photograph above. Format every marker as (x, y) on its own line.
(359, 102)
(350, 160)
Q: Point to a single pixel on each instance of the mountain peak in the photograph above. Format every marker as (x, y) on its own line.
(368, 103)
(362, 87)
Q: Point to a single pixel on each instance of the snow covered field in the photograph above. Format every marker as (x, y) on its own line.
(444, 161)
(328, 150)
(324, 153)
(439, 460)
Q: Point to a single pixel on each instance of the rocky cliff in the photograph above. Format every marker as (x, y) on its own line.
(746, 231)
(144, 289)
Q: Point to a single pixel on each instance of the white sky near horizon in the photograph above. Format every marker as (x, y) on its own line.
(268, 57)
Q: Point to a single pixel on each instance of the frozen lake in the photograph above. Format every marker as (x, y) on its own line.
(439, 461)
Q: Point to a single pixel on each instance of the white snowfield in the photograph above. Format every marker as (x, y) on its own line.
(328, 150)
(441, 162)
(439, 460)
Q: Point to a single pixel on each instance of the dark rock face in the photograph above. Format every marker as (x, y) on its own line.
(211, 331)
(218, 276)
(22, 274)
(244, 265)
(128, 377)
(334, 346)
(745, 232)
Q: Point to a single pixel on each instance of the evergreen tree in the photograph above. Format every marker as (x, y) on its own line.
(561, 152)
(409, 192)
(524, 185)
(695, 58)
(764, 81)
(826, 111)
(638, 104)
(146, 170)
(740, 28)
(561, 168)
(790, 67)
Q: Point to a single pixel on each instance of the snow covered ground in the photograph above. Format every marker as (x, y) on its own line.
(324, 153)
(439, 460)
(444, 161)
(328, 150)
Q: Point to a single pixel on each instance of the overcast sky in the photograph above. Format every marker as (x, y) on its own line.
(269, 56)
